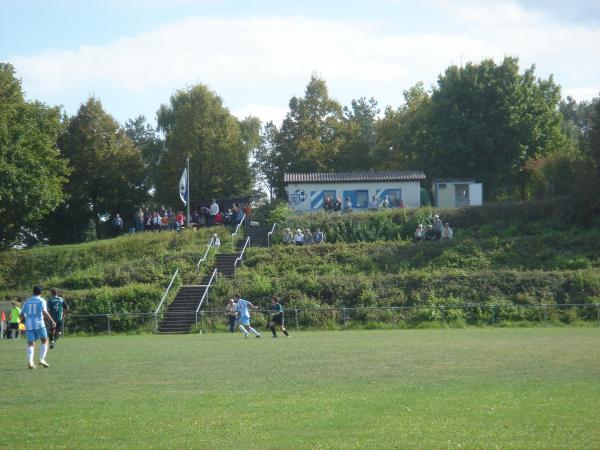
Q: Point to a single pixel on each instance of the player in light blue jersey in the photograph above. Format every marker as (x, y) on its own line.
(244, 312)
(33, 313)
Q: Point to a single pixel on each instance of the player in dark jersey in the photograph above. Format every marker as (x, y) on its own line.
(57, 308)
(277, 317)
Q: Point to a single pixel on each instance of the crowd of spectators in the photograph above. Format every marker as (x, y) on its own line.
(303, 237)
(435, 231)
(164, 219)
(336, 205)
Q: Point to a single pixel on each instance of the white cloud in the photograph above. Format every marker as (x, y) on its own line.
(257, 64)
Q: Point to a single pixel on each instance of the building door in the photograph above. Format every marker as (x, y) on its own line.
(461, 195)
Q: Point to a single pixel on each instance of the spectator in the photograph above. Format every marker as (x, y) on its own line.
(13, 321)
(419, 233)
(195, 219)
(288, 237)
(401, 204)
(228, 217)
(231, 313)
(248, 213)
(328, 204)
(179, 221)
(138, 219)
(373, 204)
(164, 222)
(117, 224)
(214, 209)
(337, 205)
(437, 227)
(348, 205)
(447, 232)
(319, 237)
(299, 237)
(308, 236)
(386, 202)
(219, 218)
(215, 240)
(430, 233)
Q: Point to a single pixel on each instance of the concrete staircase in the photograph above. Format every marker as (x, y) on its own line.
(181, 313)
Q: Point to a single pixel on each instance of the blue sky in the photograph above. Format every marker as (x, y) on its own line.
(134, 54)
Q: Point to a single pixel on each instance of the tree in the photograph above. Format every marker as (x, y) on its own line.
(32, 172)
(147, 140)
(197, 124)
(309, 139)
(108, 172)
(358, 135)
(486, 121)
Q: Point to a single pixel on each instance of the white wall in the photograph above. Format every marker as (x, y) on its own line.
(309, 196)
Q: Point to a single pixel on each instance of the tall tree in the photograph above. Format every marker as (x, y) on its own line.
(358, 134)
(151, 146)
(197, 124)
(108, 171)
(309, 139)
(486, 121)
(32, 172)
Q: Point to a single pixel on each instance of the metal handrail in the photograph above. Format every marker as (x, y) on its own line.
(237, 228)
(205, 294)
(205, 254)
(270, 233)
(241, 257)
(162, 300)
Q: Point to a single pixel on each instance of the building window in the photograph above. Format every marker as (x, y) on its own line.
(362, 199)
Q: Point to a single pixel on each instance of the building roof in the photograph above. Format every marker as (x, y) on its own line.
(345, 177)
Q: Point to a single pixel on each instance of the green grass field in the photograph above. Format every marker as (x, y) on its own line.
(468, 388)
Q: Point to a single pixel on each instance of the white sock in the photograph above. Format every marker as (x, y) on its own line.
(244, 330)
(30, 355)
(256, 333)
(43, 351)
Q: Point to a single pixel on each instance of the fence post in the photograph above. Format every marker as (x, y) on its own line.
(493, 315)
(202, 326)
(443, 316)
(155, 323)
(296, 314)
(545, 315)
(345, 315)
(598, 313)
(108, 321)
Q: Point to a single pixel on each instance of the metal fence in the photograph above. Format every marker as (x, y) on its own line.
(400, 317)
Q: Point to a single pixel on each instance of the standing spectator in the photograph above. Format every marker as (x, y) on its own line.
(328, 204)
(288, 237)
(231, 314)
(386, 202)
(447, 232)
(244, 312)
(33, 313)
(277, 317)
(117, 224)
(248, 213)
(56, 307)
(299, 237)
(437, 227)
(214, 209)
(419, 233)
(228, 217)
(348, 205)
(319, 237)
(337, 205)
(373, 204)
(138, 219)
(219, 218)
(13, 321)
(195, 218)
(308, 236)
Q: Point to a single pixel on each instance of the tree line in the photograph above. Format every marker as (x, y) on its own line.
(62, 177)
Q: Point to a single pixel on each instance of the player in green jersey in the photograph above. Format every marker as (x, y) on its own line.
(57, 308)
(277, 317)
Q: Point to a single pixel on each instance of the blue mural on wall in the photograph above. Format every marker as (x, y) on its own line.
(297, 197)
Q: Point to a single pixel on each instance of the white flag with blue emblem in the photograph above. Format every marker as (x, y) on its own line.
(183, 187)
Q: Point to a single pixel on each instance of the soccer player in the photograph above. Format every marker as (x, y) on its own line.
(244, 312)
(33, 312)
(13, 323)
(277, 317)
(56, 308)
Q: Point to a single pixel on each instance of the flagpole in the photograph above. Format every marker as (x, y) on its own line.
(188, 190)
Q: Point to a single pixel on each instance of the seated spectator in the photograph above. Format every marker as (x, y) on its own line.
(337, 205)
(195, 219)
(228, 217)
(299, 237)
(288, 237)
(373, 204)
(430, 233)
(419, 233)
(156, 221)
(447, 232)
(308, 236)
(437, 227)
(348, 205)
(319, 237)
(215, 241)
(164, 222)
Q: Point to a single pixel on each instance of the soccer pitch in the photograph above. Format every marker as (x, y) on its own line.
(468, 388)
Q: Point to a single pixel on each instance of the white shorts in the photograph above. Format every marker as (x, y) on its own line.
(245, 320)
